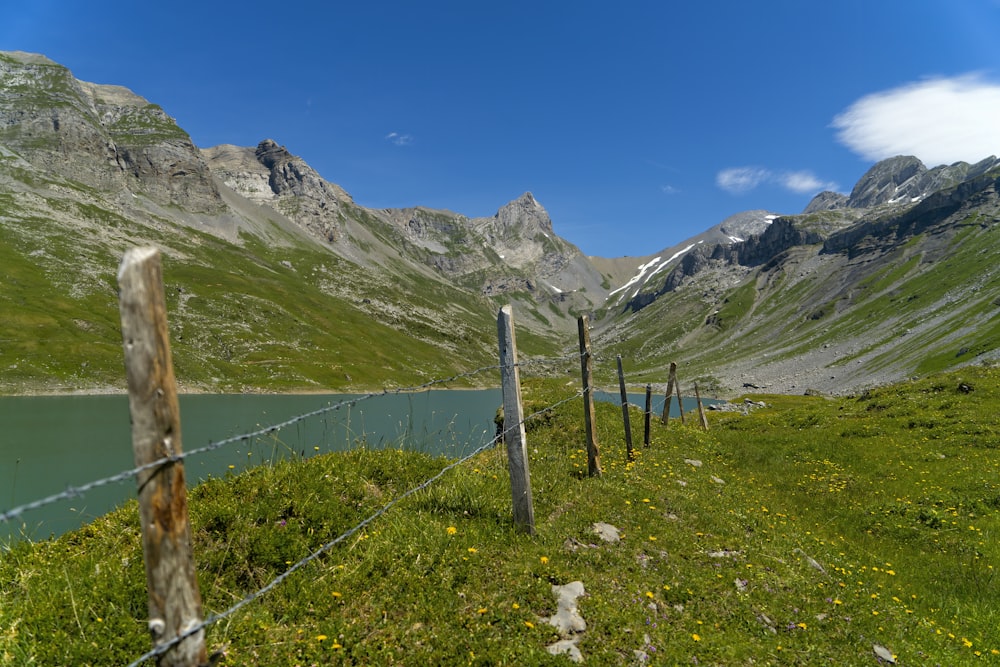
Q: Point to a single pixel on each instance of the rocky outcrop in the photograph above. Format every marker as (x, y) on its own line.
(105, 137)
(897, 226)
(900, 181)
(270, 174)
(892, 180)
(826, 201)
(781, 234)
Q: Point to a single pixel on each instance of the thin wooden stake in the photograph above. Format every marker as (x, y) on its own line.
(648, 414)
(513, 414)
(589, 419)
(174, 599)
(625, 417)
(701, 409)
(677, 389)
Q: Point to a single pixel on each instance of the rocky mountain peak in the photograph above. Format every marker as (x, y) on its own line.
(740, 226)
(902, 180)
(270, 174)
(887, 181)
(289, 173)
(526, 213)
(826, 201)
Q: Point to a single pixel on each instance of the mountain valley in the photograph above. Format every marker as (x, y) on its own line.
(278, 281)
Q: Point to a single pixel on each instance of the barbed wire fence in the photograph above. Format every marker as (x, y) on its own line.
(190, 626)
(251, 597)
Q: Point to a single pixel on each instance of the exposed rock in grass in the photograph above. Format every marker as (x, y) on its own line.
(567, 620)
(567, 647)
(607, 532)
(884, 654)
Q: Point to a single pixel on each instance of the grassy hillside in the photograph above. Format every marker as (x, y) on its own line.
(829, 321)
(271, 311)
(809, 531)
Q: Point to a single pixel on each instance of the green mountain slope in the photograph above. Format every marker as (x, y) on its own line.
(835, 302)
(256, 300)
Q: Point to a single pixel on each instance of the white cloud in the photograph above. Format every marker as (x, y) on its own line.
(399, 139)
(740, 180)
(669, 189)
(804, 182)
(940, 121)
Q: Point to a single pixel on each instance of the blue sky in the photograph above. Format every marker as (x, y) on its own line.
(636, 124)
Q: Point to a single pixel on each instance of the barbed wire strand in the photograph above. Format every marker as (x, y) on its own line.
(278, 580)
(77, 491)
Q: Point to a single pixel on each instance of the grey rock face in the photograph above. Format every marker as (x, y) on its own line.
(888, 180)
(104, 137)
(826, 201)
(905, 180)
(269, 174)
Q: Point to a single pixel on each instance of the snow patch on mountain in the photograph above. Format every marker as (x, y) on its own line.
(644, 274)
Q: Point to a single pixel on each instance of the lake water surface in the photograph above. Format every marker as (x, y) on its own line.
(51, 443)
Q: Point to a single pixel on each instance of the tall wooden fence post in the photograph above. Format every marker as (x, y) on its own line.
(671, 378)
(647, 414)
(589, 420)
(625, 417)
(513, 418)
(677, 388)
(174, 599)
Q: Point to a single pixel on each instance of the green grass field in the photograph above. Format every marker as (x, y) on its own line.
(810, 531)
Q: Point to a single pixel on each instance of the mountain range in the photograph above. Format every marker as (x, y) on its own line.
(277, 280)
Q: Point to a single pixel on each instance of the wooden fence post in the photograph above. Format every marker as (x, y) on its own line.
(671, 378)
(513, 418)
(589, 419)
(677, 388)
(625, 417)
(701, 409)
(174, 599)
(647, 414)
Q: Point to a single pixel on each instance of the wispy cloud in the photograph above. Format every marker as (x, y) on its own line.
(803, 182)
(399, 139)
(669, 189)
(740, 180)
(940, 121)
(737, 180)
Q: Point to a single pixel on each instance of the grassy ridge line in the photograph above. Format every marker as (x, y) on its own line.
(284, 316)
(811, 531)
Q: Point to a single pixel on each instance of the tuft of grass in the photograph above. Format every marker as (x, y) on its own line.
(804, 532)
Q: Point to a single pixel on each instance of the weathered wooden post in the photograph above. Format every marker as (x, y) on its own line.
(671, 378)
(701, 408)
(625, 417)
(647, 414)
(513, 415)
(174, 599)
(677, 388)
(589, 420)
